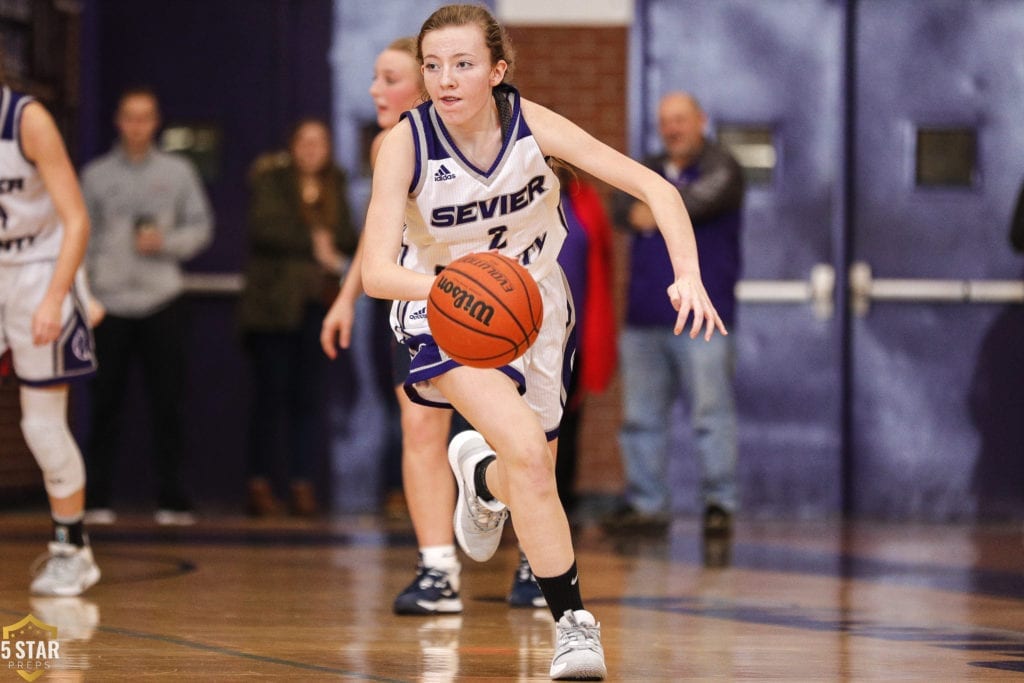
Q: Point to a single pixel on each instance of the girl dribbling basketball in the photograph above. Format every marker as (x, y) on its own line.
(467, 172)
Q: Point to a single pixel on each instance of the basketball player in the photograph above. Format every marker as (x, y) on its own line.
(44, 228)
(426, 479)
(466, 172)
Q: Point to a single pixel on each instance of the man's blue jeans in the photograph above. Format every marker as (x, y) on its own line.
(656, 365)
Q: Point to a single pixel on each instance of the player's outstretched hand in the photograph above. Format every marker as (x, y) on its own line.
(688, 294)
(337, 328)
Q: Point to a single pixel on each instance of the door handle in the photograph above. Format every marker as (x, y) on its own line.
(865, 288)
(817, 289)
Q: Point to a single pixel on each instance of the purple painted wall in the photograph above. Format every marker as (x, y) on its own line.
(251, 73)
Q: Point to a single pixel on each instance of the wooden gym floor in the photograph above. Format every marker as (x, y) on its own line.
(232, 598)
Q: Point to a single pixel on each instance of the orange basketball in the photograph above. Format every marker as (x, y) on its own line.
(484, 310)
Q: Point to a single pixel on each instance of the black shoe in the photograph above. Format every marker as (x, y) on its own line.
(627, 519)
(717, 522)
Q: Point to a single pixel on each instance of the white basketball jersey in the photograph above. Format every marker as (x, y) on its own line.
(29, 227)
(455, 208)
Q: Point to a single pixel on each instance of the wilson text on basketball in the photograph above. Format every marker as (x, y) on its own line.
(465, 300)
(485, 265)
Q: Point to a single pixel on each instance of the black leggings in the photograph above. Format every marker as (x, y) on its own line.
(159, 342)
(289, 373)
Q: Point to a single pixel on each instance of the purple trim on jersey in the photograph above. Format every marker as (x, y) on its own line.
(427, 364)
(10, 114)
(11, 127)
(53, 381)
(518, 131)
(427, 123)
(573, 256)
(417, 143)
(569, 354)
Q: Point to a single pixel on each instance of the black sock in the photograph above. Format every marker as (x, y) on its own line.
(480, 479)
(69, 532)
(562, 592)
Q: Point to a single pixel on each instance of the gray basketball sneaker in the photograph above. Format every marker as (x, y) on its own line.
(478, 524)
(67, 571)
(578, 652)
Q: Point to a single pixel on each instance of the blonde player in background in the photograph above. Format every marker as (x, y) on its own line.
(44, 321)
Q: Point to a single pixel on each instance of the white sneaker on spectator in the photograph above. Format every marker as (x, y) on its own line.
(168, 517)
(100, 516)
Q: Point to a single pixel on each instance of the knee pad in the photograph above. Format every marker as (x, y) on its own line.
(45, 428)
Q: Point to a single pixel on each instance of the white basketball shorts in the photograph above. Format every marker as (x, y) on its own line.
(541, 374)
(72, 355)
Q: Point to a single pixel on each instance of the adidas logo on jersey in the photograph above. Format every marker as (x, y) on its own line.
(418, 315)
(443, 174)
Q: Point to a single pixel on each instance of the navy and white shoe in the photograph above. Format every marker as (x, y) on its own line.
(525, 591)
(433, 591)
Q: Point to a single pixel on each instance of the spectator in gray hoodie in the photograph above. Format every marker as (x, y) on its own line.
(149, 214)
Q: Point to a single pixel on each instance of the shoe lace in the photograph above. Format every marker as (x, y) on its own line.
(523, 572)
(577, 636)
(484, 518)
(432, 577)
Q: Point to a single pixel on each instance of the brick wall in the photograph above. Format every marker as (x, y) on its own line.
(580, 72)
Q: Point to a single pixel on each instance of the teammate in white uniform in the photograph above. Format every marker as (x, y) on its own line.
(44, 228)
(490, 142)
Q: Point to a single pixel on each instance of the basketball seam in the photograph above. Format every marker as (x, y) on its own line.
(470, 275)
(514, 346)
(529, 299)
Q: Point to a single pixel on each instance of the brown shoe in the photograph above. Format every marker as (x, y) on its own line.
(395, 506)
(262, 502)
(303, 502)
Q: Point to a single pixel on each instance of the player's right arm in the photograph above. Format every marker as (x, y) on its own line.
(563, 139)
(383, 278)
(44, 147)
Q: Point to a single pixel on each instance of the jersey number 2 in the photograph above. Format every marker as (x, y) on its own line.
(497, 234)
